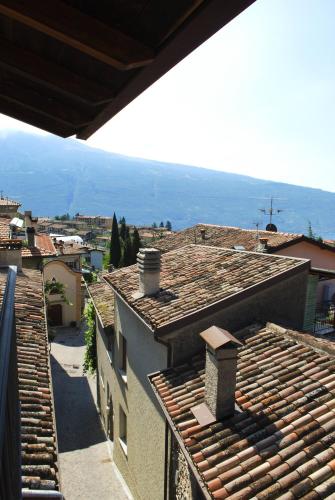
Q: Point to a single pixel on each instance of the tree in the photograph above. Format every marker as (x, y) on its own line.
(310, 232)
(168, 225)
(161, 224)
(127, 252)
(136, 245)
(312, 235)
(115, 248)
(123, 229)
(154, 225)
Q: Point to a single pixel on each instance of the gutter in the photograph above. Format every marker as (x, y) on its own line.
(42, 494)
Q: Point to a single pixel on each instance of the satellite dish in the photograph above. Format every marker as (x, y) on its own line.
(271, 227)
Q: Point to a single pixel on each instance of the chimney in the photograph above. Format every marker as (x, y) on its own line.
(149, 265)
(263, 244)
(203, 234)
(27, 218)
(220, 373)
(30, 232)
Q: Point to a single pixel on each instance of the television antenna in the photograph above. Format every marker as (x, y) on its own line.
(271, 212)
(257, 224)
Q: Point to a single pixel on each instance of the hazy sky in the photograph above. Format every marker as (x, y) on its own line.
(258, 99)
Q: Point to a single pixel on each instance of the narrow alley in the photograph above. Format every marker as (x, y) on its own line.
(86, 467)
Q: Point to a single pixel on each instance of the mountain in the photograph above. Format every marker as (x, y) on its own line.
(53, 176)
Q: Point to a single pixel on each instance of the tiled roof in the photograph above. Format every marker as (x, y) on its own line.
(38, 434)
(71, 249)
(103, 299)
(4, 227)
(6, 201)
(195, 277)
(44, 247)
(224, 236)
(282, 443)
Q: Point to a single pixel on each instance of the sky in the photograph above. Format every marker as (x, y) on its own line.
(257, 99)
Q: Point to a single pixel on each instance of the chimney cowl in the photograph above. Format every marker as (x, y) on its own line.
(149, 265)
(220, 373)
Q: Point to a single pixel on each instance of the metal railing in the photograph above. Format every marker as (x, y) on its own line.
(10, 447)
(324, 318)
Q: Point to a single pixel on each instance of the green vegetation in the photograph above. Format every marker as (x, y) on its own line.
(55, 287)
(63, 217)
(123, 245)
(90, 358)
(312, 235)
(115, 247)
(167, 225)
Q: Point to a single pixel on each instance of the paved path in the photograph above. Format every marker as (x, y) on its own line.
(87, 471)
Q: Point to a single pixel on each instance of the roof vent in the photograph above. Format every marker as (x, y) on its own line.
(149, 265)
(221, 367)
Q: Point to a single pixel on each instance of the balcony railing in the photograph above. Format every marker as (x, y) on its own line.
(324, 318)
(10, 448)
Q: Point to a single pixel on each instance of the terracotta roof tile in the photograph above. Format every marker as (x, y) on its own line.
(195, 277)
(44, 247)
(103, 299)
(4, 227)
(38, 434)
(225, 237)
(280, 446)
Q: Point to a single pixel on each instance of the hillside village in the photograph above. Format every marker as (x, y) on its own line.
(144, 363)
(162, 330)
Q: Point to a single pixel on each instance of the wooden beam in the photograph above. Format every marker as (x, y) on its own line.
(47, 106)
(32, 118)
(80, 31)
(51, 75)
(211, 16)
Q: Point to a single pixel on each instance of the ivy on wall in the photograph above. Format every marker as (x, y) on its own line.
(90, 358)
(55, 287)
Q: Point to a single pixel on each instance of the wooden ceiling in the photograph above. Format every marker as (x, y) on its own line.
(69, 66)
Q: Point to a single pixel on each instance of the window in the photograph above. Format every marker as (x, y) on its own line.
(123, 430)
(123, 357)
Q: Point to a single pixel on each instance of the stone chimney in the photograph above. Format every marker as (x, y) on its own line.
(27, 218)
(220, 373)
(30, 234)
(203, 234)
(149, 265)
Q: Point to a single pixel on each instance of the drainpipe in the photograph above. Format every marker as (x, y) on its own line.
(166, 445)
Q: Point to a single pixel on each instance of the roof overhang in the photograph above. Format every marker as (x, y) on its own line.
(67, 67)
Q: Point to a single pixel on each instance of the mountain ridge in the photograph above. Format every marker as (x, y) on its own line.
(52, 176)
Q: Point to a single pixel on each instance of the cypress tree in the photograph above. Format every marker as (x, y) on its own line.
(136, 245)
(115, 248)
(123, 229)
(127, 252)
